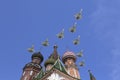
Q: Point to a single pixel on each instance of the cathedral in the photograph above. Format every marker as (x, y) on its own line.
(55, 68)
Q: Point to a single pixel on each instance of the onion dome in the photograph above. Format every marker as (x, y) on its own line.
(53, 57)
(37, 55)
(68, 54)
(49, 61)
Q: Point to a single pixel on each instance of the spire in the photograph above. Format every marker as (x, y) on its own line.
(54, 55)
(91, 76)
(52, 58)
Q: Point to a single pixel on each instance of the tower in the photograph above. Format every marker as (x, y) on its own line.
(51, 60)
(32, 68)
(69, 59)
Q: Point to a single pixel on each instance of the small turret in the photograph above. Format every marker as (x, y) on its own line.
(31, 69)
(51, 60)
(69, 59)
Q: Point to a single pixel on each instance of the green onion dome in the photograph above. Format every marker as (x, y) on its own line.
(49, 61)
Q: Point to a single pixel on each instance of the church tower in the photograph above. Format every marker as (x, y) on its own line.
(69, 59)
(32, 68)
(51, 60)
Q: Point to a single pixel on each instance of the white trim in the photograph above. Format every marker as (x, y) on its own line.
(23, 73)
(25, 78)
(75, 75)
(31, 72)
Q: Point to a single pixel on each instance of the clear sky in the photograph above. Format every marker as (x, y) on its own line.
(27, 22)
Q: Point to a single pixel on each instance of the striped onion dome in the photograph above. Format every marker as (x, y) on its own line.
(68, 54)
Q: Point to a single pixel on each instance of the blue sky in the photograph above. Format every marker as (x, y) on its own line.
(27, 22)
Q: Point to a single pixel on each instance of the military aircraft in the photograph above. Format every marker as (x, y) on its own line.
(45, 43)
(76, 41)
(31, 49)
(82, 63)
(80, 54)
(73, 28)
(78, 15)
(61, 34)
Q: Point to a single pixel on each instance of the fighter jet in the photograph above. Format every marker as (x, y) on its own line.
(73, 28)
(76, 41)
(80, 54)
(61, 34)
(82, 63)
(78, 15)
(31, 49)
(45, 43)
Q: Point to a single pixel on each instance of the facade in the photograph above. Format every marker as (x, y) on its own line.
(54, 67)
